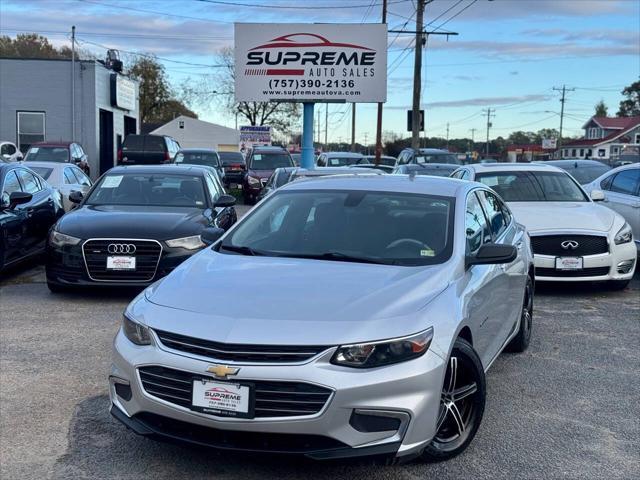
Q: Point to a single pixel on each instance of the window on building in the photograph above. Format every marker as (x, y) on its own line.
(573, 152)
(581, 152)
(31, 129)
(565, 153)
(637, 140)
(615, 150)
(589, 153)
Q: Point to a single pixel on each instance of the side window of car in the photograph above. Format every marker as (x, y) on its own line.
(29, 182)
(80, 150)
(495, 212)
(7, 149)
(69, 178)
(81, 177)
(606, 183)
(214, 191)
(11, 184)
(476, 227)
(626, 182)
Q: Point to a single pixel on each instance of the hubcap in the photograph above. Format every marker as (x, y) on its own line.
(456, 404)
(527, 310)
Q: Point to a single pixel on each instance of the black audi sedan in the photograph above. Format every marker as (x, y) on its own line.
(28, 208)
(136, 225)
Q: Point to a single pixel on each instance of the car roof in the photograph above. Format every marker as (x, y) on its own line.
(625, 167)
(270, 148)
(576, 163)
(427, 150)
(51, 144)
(320, 171)
(498, 167)
(441, 186)
(169, 169)
(54, 165)
(343, 154)
(418, 166)
(197, 150)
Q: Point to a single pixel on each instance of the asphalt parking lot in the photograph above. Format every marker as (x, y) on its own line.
(568, 407)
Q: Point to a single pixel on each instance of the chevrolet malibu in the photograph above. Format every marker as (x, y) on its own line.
(574, 239)
(378, 304)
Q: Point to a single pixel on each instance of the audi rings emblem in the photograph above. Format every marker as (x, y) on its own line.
(121, 248)
(569, 244)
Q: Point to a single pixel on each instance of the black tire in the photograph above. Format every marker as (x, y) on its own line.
(461, 407)
(248, 200)
(55, 288)
(520, 342)
(619, 284)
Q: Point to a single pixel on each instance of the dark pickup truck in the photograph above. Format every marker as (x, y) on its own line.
(147, 150)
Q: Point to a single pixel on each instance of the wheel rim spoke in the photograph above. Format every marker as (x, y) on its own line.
(457, 417)
(464, 392)
(442, 415)
(453, 363)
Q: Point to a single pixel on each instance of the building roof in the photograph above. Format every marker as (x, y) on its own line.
(615, 123)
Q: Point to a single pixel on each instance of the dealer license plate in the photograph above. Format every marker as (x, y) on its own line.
(121, 263)
(569, 263)
(230, 399)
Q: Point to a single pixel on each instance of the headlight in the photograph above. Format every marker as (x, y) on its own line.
(190, 243)
(58, 239)
(253, 181)
(624, 235)
(386, 352)
(135, 332)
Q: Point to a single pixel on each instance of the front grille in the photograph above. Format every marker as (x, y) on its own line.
(272, 398)
(585, 272)
(239, 353)
(552, 245)
(237, 440)
(147, 256)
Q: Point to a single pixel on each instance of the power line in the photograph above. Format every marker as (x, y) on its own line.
(121, 34)
(166, 14)
(296, 7)
(564, 90)
(489, 125)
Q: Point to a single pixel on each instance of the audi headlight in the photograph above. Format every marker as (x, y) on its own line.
(253, 181)
(136, 333)
(190, 243)
(59, 240)
(385, 352)
(624, 235)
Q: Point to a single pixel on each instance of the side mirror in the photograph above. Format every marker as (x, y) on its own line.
(18, 198)
(491, 254)
(76, 197)
(597, 195)
(225, 201)
(211, 235)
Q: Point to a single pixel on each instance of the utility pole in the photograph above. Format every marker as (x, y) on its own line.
(73, 83)
(353, 127)
(473, 134)
(564, 90)
(366, 143)
(318, 123)
(326, 125)
(417, 75)
(490, 113)
(380, 104)
(447, 135)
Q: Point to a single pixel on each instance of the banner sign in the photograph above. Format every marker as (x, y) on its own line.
(123, 92)
(252, 135)
(310, 62)
(549, 143)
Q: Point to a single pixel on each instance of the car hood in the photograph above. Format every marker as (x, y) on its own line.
(123, 221)
(563, 216)
(260, 173)
(267, 300)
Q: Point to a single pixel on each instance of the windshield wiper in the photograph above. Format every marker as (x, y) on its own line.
(338, 256)
(240, 249)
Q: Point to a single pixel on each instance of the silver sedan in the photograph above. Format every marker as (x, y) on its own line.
(341, 317)
(65, 178)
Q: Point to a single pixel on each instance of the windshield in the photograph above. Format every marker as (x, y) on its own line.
(227, 158)
(270, 161)
(198, 158)
(354, 226)
(47, 154)
(44, 172)
(342, 161)
(437, 158)
(149, 189)
(587, 173)
(390, 161)
(436, 172)
(533, 186)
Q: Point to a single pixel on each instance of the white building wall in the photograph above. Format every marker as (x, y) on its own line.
(195, 133)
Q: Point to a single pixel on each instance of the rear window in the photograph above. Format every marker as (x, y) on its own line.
(198, 158)
(270, 161)
(133, 142)
(154, 144)
(44, 172)
(438, 158)
(587, 174)
(227, 158)
(47, 154)
(342, 161)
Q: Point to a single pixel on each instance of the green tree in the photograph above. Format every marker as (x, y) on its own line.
(154, 86)
(32, 45)
(631, 105)
(601, 109)
(521, 138)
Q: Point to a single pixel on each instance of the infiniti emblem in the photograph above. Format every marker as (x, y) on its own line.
(121, 248)
(569, 244)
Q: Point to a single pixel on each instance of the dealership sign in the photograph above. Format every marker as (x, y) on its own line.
(123, 92)
(254, 135)
(310, 62)
(549, 143)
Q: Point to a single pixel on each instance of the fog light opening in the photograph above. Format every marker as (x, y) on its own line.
(122, 388)
(371, 421)
(626, 266)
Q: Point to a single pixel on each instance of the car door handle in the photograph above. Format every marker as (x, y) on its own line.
(30, 212)
(519, 245)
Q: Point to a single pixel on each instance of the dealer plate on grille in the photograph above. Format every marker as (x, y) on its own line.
(569, 263)
(121, 263)
(222, 398)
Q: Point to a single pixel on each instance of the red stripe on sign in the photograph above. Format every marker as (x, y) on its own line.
(285, 71)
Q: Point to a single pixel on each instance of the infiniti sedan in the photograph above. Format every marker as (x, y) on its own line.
(573, 238)
(136, 225)
(315, 364)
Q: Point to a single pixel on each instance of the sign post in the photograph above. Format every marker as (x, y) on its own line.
(308, 63)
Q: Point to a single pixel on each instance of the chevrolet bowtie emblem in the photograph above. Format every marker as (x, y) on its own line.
(222, 371)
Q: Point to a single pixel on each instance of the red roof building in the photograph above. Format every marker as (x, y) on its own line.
(604, 139)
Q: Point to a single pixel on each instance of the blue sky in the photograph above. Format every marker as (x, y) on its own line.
(509, 54)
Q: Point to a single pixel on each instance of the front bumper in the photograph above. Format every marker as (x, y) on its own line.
(409, 391)
(66, 267)
(613, 265)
